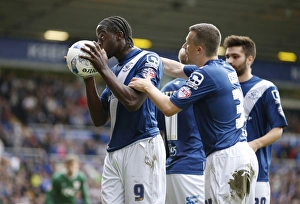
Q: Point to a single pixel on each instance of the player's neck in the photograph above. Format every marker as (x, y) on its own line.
(202, 61)
(245, 77)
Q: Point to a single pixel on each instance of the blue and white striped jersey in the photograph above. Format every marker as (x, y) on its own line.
(263, 112)
(128, 127)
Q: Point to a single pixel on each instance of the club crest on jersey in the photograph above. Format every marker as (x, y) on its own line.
(254, 94)
(184, 92)
(152, 61)
(128, 66)
(276, 96)
(195, 80)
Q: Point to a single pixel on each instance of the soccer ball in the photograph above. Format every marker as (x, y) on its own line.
(78, 66)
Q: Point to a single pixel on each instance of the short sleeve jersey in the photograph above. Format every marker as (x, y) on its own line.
(184, 146)
(263, 112)
(217, 99)
(128, 127)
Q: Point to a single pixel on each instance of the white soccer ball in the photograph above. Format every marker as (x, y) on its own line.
(78, 66)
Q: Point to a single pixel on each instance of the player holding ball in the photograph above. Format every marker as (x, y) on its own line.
(134, 167)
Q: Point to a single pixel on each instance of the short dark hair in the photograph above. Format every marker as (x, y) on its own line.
(247, 44)
(115, 24)
(208, 36)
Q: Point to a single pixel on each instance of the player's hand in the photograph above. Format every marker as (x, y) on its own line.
(253, 146)
(96, 55)
(141, 84)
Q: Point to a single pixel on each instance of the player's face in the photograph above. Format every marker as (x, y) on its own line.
(107, 41)
(236, 57)
(190, 48)
(72, 168)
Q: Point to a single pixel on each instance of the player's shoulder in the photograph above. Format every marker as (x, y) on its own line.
(57, 175)
(152, 59)
(81, 175)
(263, 82)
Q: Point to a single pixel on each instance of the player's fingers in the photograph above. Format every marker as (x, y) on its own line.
(89, 48)
(97, 46)
(90, 53)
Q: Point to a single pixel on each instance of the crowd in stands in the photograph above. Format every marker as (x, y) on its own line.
(44, 117)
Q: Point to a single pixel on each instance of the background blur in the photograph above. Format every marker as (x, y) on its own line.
(43, 110)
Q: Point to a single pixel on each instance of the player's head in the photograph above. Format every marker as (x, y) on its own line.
(203, 40)
(114, 33)
(72, 164)
(240, 52)
(182, 56)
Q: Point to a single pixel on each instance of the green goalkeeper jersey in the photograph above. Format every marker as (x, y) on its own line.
(65, 189)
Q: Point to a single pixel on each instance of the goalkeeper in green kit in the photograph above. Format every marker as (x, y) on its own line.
(66, 186)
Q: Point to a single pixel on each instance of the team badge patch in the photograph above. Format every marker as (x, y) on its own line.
(184, 92)
(195, 80)
(152, 73)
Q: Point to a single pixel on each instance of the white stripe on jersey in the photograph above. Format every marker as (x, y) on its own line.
(254, 94)
(121, 77)
(171, 127)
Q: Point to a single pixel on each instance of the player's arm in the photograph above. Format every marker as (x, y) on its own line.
(98, 110)
(173, 68)
(269, 138)
(130, 98)
(162, 102)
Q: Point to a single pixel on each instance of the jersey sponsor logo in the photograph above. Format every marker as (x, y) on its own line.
(184, 92)
(233, 78)
(195, 80)
(152, 61)
(68, 192)
(76, 185)
(169, 93)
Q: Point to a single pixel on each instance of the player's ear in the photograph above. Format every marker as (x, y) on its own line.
(120, 35)
(199, 49)
(250, 60)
